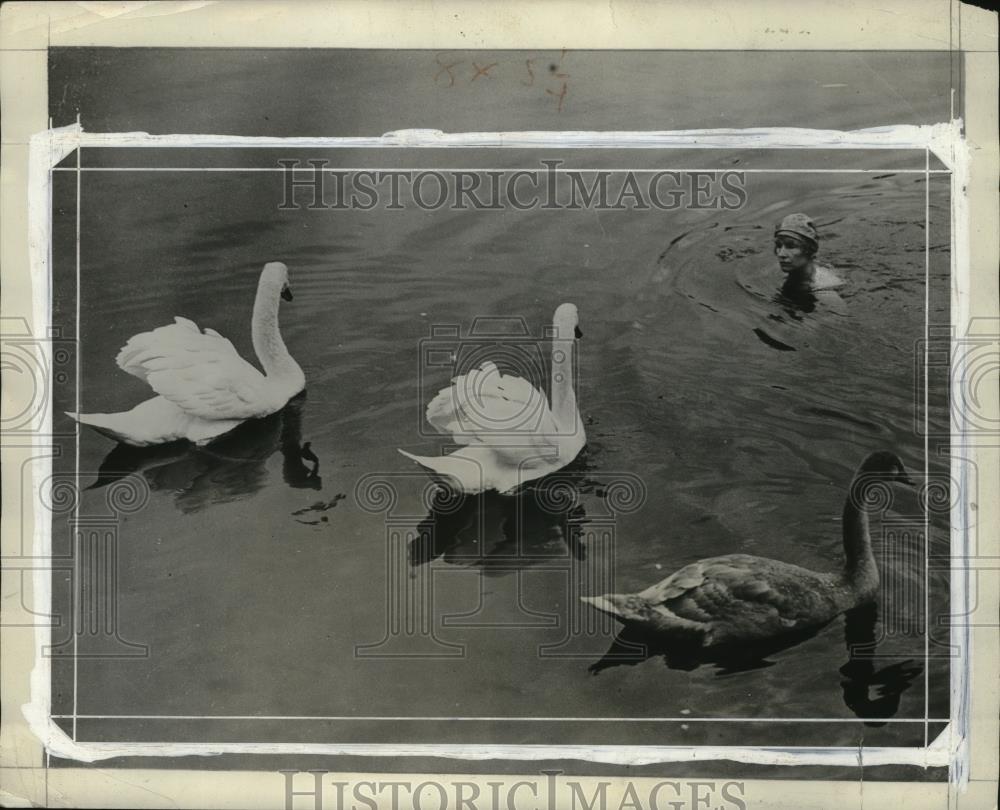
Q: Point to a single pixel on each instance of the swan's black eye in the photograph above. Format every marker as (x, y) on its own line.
(577, 333)
(286, 293)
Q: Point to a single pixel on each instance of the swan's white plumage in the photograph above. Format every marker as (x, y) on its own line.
(204, 387)
(510, 433)
(488, 408)
(200, 372)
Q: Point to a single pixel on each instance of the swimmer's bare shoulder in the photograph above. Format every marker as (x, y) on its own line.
(826, 278)
(826, 282)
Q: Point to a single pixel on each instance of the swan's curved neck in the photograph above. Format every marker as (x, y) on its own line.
(860, 569)
(267, 342)
(563, 394)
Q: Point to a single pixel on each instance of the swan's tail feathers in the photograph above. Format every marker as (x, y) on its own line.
(138, 427)
(454, 471)
(605, 605)
(421, 460)
(103, 423)
(628, 608)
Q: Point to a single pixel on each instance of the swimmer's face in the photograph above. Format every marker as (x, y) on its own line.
(793, 255)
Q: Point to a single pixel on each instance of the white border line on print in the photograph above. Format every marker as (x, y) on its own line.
(927, 442)
(926, 720)
(417, 718)
(938, 138)
(75, 612)
(558, 170)
(961, 635)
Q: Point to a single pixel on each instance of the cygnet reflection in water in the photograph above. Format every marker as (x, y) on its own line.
(228, 469)
(501, 534)
(633, 646)
(859, 675)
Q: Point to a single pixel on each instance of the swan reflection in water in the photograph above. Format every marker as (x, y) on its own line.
(228, 469)
(540, 524)
(859, 673)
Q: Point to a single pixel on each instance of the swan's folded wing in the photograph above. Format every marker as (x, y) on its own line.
(464, 409)
(200, 372)
(503, 412)
(680, 584)
(179, 337)
(736, 584)
(443, 415)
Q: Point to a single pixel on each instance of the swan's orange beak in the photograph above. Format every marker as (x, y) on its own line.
(286, 293)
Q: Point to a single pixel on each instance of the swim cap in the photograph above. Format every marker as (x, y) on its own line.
(799, 226)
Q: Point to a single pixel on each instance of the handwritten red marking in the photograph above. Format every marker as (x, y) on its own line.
(482, 71)
(446, 68)
(560, 96)
(531, 73)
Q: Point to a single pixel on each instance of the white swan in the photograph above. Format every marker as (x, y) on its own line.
(511, 434)
(204, 387)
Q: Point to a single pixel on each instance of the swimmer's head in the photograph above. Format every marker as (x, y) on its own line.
(795, 242)
(800, 227)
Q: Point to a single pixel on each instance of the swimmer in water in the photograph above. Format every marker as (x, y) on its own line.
(806, 282)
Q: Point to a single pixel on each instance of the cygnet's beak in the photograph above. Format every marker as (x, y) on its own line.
(577, 333)
(286, 293)
(903, 477)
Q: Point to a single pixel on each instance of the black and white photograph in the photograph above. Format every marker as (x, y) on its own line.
(504, 411)
(482, 434)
